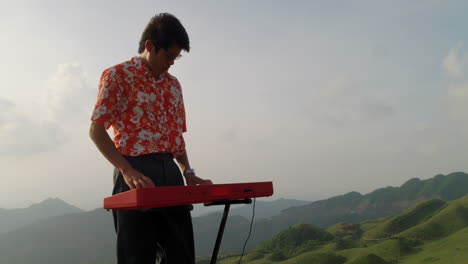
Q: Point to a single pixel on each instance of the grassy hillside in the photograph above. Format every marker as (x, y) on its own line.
(368, 259)
(451, 249)
(384, 202)
(295, 240)
(447, 221)
(432, 231)
(408, 219)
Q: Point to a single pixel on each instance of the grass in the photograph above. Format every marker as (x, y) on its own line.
(431, 232)
(450, 219)
(451, 249)
(368, 259)
(408, 219)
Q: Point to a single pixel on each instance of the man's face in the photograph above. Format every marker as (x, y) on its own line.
(162, 60)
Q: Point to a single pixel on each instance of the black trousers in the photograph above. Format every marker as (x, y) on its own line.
(145, 236)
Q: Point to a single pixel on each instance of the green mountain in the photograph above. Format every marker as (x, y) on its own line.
(384, 202)
(408, 219)
(296, 239)
(72, 238)
(355, 208)
(89, 237)
(11, 219)
(446, 221)
(432, 231)
(363, 228)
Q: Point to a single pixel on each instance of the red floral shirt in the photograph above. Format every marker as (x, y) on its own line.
(147, 114)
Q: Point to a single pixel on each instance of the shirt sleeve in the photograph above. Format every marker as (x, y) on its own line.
(110, 92)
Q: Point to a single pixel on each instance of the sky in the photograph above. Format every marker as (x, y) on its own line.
(320, 97)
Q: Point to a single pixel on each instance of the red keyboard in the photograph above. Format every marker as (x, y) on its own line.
(164, 196)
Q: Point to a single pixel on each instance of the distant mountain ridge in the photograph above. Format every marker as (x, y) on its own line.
(89, 237)
(86, 237)
(383, 202)
(11, 219)
(264, 209)
(433, 231)
(93, 233)
(351, 207)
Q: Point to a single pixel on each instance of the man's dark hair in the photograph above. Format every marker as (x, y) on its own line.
(165, 30)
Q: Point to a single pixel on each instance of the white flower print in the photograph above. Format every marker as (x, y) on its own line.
(137, 149)
(157, 136)
(152, 97)
(138, 111)
(143, 97)
(112, 73)
(175, 92)
(122, 104)
(160, 78)
(105, 93)
(120, 125)
(123, 140)
(98, 112)
(151, 116)
(135, 120)
(174, 101)
(129, 75)
(145, 135)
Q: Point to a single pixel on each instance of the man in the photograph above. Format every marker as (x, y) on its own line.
(144, 105)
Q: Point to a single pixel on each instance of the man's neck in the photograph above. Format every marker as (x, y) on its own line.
(144, 59)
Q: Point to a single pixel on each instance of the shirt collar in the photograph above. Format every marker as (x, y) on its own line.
(140, 65)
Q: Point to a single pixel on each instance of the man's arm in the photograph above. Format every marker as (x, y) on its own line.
(190, 178)
(183, 161)
(133, 178)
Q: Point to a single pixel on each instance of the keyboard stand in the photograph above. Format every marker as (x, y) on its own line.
(227, 205)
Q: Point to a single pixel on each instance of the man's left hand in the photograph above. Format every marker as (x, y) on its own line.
(191, 179)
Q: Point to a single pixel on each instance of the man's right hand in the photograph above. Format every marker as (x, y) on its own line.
(135, 179)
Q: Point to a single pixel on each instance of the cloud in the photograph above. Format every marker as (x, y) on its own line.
(342, 99)
(456, 61)
(229, 135)
(20, 135)
(375, 108)
(68, 97)
(457, 92)
(66, 104)
(458, 100)
(427, 148)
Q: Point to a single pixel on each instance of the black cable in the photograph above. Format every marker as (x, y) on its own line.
(250, 231)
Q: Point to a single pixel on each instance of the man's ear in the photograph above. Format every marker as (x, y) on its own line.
(149, 46)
